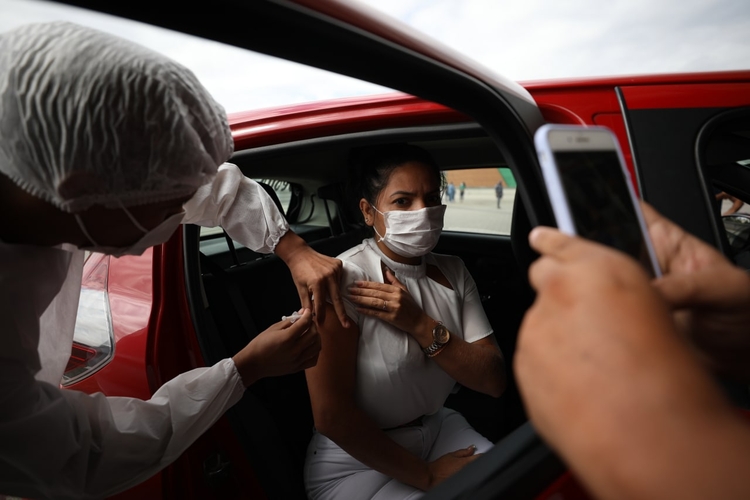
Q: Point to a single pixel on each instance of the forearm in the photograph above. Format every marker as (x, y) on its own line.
(612, 386)
(478, 366)
(92, 446)
(658, 435)
(695, 458)
(289, 246)
(736, 205)
(360, 437)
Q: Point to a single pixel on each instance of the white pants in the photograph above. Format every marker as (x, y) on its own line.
(331, 473)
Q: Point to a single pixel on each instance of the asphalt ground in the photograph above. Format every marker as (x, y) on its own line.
(478, 212)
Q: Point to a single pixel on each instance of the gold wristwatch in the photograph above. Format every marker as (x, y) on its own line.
(440, 337)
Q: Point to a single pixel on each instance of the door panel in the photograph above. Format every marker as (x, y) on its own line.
(663, 152)
(663, 123)
(681, 96)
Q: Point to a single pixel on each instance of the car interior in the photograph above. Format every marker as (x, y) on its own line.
(236, 293)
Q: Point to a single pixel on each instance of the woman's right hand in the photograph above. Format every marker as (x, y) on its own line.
(282, 348)
(450, 463)
(391, 302)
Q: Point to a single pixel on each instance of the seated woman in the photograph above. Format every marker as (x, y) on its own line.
(379, 387)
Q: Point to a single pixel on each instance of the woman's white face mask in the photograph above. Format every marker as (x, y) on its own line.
(412, 233)
(155, 236)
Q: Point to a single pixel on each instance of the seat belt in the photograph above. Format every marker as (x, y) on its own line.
(251, 413)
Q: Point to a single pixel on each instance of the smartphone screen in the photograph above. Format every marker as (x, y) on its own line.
(600, 202)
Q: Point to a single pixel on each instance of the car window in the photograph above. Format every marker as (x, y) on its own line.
(93, 337)
(479, 200)
(724, 146)
(735, 222)
(282, 190)
(308, 216)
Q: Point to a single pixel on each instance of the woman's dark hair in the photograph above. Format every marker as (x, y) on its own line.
(370, 169)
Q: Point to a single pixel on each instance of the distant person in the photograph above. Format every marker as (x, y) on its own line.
(451, 192)
(499, 192)
(461, 189)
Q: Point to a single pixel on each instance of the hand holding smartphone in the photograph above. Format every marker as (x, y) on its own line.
(590, 189)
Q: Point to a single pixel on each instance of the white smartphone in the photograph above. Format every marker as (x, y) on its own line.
(590, 189)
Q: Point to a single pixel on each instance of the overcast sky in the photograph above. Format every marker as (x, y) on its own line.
(522, 40)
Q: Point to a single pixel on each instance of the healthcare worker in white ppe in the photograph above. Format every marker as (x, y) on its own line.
(107, 146)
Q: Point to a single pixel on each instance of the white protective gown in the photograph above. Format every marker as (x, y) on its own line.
(57, 443)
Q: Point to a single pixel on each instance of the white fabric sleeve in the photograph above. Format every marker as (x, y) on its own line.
(241, 206)
(475, 325)
(64, 444)
(349, 274)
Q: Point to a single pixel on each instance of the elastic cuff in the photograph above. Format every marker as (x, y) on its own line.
(234, 379)
(273, 239)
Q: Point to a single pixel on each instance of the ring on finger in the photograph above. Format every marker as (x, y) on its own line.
(385, 304)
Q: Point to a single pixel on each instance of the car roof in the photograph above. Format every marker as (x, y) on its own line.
(283, 124)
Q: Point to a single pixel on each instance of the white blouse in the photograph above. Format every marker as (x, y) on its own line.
(396, 381)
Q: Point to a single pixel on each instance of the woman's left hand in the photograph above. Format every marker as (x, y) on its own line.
(389, 301)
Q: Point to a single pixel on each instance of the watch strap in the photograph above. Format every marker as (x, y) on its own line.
(436, 351)
(434, 348)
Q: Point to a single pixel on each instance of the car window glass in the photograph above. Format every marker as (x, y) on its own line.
(735, 222)
(282, 190)
(307, 215)
(479, 200)
(724, 148)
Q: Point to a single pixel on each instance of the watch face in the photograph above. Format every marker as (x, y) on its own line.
(441, 334)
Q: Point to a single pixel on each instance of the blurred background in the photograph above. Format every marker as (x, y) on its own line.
(521, 40)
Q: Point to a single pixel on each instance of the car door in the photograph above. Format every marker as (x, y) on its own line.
(688, 137)
(667, 124)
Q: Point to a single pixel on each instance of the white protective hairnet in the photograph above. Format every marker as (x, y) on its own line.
(89, 118)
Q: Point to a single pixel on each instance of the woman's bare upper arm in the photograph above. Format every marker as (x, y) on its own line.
(331, 382)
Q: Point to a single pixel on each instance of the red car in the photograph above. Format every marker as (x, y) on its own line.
(200, 297)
